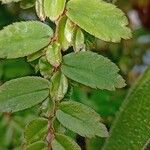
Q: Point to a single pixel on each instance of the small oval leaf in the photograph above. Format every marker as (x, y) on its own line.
(40, 145)
(46, 69)
(24, 38)
(92, 70)
(79, 40)
(81, 119)
(36, 130)
(63, 142)
(23, 92)
(99, 18)
(61, 34)
(39, 7)
(54, 8)
(53, 54)
(26, 4)
(59, 86)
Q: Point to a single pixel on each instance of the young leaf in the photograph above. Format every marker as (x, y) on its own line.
(40, 145)
(131, 127)
(54, 8)
(61, 34)
(69, 30)
(24, 38)
(59, 86)
(46, 69)
(63, 142)
(81, 119)
(79, 41)
(36, 130)
(39, 7)
(53, 54)
(25, 4)
(99, 18)
(47, 108)
(92, 70)
(22, 93)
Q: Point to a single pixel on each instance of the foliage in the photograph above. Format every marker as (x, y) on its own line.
(61, 55)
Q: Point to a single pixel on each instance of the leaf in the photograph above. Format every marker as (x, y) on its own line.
(63, 142)
(79, 41)
(46, 69)
(47, 108)
(69, 30)
(24, 38)
(36, 130)
(61, 34)
(8, 1)
(26, 4)
(80, 119)
(40, 145)
(59, 86)
(23, 92)
(35, 56)
(54, 8)
(131, 127)
(39, 7)
(92, 70)
(53, 54)
(99, 18)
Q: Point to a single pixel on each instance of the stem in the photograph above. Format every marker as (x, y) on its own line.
(50, 135)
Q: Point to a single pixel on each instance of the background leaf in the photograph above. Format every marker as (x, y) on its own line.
(23, 93)
(92, 70)
(131, 128)
(24, 38)
(101, 19)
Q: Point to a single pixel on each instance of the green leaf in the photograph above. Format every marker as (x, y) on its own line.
(39, 7)
(69, 30)
(23, 93)
(59, 86)
(9, 1)
(131, 127)
(24, 38)
(35, 55)
(92, 70)
(36, 130)
(99, 18)
(53, 54)
(54, 8)
(79, 41)
(63, 142)
(40, 145)
(81, 119)
(61, 34)
(46, 69)
(25, 4)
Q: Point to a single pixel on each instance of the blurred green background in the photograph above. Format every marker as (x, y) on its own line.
(132, 57)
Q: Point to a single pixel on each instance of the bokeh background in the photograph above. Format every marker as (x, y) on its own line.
(132, 57)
